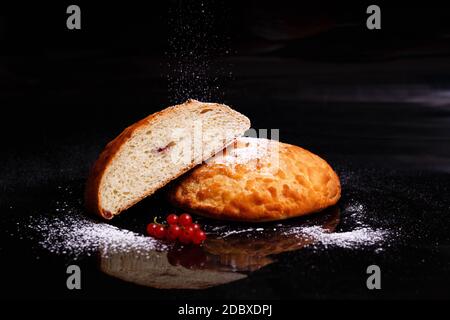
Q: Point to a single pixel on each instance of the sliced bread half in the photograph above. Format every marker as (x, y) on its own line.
(152, 152)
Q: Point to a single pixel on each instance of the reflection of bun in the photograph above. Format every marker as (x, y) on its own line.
(156, 150)
(154, 270)
(248, 252)
(259, 180)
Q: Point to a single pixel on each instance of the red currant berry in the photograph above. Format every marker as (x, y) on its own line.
(185, 220)
(185, 238)
(172, 219)
(189, 230)
(160, 232)
(151, 227)
(173, 232)
(198, 237)
(196, 226)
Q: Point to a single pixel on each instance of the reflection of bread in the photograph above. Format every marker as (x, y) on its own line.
(154, 270)
(156, 150)
(249, 252)
(220, 260)
(259, 180)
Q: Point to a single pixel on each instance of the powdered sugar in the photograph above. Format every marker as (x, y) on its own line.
(351, 239)
(232, 232)
(359, 236)
(67, 230)
(320, 236)
(246, 149)
(323, 231)
(74, 234)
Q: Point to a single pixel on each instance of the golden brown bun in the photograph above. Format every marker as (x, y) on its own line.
(258, 180)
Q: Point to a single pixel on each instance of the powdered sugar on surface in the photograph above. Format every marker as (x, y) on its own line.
(359, 236)
(351, 239)
(323, 238)
(67, 230)
(75, 235)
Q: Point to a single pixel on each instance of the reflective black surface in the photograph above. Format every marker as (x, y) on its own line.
(376, 108)
(411, 208)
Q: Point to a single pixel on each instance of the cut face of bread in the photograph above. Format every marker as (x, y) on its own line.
(156, 150)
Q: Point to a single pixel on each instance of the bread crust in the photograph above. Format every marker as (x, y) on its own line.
(94, 181)
(258, 189)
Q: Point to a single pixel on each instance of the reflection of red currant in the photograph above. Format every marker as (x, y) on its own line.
(173, 232)
(173, 257)
(196, 226)
(188, 257)
(193, 257)
(172, 219)
(185, 220)
(151, 227)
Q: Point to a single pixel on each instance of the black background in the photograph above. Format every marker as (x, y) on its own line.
(363, 99)
(61, 88)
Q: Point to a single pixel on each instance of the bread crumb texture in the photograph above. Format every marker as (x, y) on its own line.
(158, 149)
